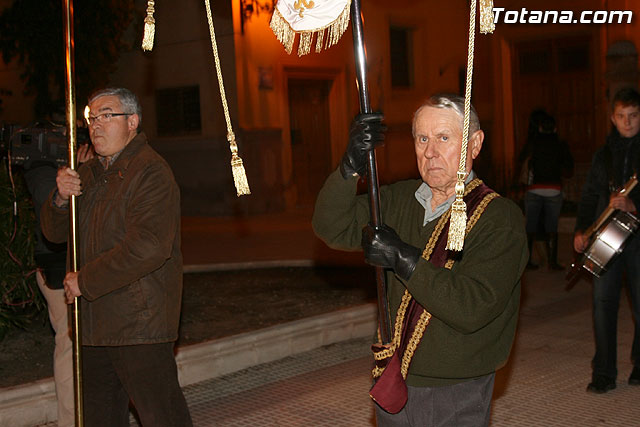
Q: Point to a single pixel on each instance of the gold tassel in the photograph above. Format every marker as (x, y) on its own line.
(458, 221)
(237, 168)
(149, 27)
(486, 17)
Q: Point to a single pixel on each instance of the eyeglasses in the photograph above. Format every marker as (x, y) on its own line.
(104, 117)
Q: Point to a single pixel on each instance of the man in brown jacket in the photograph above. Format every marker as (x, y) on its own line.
(129, 276)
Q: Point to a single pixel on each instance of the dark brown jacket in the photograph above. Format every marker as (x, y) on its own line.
(129, 260)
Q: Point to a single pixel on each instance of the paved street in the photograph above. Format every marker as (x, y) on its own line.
(542, 385)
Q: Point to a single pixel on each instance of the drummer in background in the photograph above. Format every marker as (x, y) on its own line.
(613, 164)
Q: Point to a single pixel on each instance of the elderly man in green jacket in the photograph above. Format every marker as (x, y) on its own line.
(129, 277)
(454, 314)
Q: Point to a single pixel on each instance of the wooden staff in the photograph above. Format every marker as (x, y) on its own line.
(372, 169)
(70, 96)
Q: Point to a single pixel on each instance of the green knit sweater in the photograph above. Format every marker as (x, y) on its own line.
(474, 306)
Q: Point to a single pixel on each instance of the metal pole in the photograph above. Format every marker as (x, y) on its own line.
(71, 134)
(372, 169)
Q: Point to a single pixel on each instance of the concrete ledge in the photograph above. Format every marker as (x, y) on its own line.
(211, 359)
(35, 403)
(28, 405)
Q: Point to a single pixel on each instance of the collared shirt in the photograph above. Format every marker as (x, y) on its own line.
(106, 162)
(424, 196)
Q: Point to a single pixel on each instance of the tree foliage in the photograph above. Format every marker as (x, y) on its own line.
(20, 299)
(31, 31)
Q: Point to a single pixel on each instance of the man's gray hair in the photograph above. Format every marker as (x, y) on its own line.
(128, 99)
(451, 102)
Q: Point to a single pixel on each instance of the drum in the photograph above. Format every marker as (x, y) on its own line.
(608, 242)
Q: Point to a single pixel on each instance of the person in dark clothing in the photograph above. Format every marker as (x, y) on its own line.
(454, 313)
(549, 160)
(613, 164)
(50, 258)
(51, 262)
(129, 280)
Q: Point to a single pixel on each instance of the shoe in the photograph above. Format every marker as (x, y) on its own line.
(601, 385)
(634, 378)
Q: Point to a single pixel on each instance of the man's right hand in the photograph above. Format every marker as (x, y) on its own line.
(367, 132)
(69, 184)
(580, 242)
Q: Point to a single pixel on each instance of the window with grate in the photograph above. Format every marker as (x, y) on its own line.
(178, 111)
(401, 45)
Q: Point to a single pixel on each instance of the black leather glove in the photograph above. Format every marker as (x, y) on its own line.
(366, 133)
(383, 247)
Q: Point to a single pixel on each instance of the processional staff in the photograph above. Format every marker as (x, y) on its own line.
(70, 96)
(328, 21)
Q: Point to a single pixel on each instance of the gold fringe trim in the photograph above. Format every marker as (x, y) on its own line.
(287, 35)
(487, 25)
(149, 27)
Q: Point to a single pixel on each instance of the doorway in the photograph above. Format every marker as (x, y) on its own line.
(557, 75)
(310, 136)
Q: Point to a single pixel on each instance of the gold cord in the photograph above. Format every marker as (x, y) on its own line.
(239, 175)
(458, 223)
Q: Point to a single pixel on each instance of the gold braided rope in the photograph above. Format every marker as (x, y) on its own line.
(457, 226)
(425, 317)
(149, 27)
(239, 175)
(402, 309)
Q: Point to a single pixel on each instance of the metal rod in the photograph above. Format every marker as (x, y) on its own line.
(372, 169)
(71, 139)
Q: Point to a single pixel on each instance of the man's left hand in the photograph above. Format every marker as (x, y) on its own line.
(71, 289)
(384, 248)
(622, 203)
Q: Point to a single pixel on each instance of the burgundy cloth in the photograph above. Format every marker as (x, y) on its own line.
(390, 389)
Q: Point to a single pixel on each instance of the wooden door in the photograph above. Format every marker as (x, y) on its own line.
(310, 136)
(557, 75)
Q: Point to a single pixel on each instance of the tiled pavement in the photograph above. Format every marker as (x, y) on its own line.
(542, 385)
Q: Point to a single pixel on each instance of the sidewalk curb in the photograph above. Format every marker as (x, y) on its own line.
(35, 403)
(248, 265)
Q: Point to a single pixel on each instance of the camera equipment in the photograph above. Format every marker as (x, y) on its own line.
(41, 142)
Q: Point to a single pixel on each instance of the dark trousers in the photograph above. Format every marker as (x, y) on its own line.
(466, 404)
(606, 301)
(145, 374)
(540, 207)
